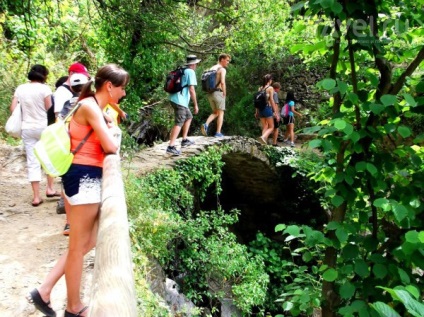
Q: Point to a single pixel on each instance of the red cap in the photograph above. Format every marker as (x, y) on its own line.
(79, 68)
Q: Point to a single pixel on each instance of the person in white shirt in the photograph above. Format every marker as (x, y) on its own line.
(35, 99)
(64, 93)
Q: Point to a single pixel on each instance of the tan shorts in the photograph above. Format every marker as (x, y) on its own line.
(217, 100)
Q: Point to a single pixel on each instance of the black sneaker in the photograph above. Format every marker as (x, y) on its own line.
(172, 151)
(60, 207)
(186, 142)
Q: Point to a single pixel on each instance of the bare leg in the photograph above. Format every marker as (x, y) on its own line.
(52, 278)
(269, 128)
(275, 136)
(212, 117)
(264, 124)
(290, 128)
(220, 120)
(59, 269)
(185, 128)
(174, 134)
(50, 185)
(35, 192)
(84, 223)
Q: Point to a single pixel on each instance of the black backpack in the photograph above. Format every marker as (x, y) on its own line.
(209, 80)
(260, 100)
(173, 81)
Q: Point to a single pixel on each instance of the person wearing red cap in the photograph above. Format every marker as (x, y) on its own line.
(64, 93)
(79, 69)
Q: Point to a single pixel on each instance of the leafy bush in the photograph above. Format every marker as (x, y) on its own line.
(195, 247)
(215, 266)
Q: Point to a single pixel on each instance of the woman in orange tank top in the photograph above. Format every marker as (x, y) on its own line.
(82, 186)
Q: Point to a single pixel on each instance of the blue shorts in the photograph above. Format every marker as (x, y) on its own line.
(82, 184)
(266, 112)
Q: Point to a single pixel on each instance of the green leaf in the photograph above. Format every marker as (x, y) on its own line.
(347, 290)
(287, 306)
(333, 225)
(412, 237)
(382, 203)
(404, 277)
(388, 100)
(399, 211)
(280, 227)
(380, 271)
(361, 166)
(330, 275)
(372, 169)
(337, 8)
(342, 86)
(410, 100)
(414, 307)
(307, 256)
(413, 290)
(421, 236)
(384, 310)
(295, 48)
(293, 230)
(340, 124)
(315, 143)
(353, 98)
(377, 108)
(342, 235)
(327, 83)
(337, 200)
(404, 131)
(355, 136)
(361, 268)
(297, 6)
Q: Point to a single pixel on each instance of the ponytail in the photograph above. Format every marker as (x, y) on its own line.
(86, 91)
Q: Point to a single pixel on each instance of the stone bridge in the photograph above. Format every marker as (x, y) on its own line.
(249, 182)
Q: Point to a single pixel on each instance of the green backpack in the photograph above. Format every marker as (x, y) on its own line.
(53, 150)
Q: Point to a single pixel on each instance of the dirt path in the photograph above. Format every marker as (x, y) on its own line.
(31, 239)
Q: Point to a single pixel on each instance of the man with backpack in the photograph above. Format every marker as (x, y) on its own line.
(216, 94)
(179, 101)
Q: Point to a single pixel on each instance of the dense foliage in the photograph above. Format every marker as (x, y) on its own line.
(368, 260)
(193, 246)
(372, 173)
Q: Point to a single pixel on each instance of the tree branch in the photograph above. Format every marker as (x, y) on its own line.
(408, 72)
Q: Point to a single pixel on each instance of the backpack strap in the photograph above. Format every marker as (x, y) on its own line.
(182, 87)
(217, 74)
(74, 94)
(82, 141)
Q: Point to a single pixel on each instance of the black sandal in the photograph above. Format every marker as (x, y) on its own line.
(68, 314)
(34, 297)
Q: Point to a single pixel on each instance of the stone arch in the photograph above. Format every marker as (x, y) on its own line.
(250, 183)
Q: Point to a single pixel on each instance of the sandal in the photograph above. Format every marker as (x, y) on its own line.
(37, 204)
(55, 194)
(68, 314)
(34, 297)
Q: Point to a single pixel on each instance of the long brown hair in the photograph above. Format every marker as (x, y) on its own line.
(266, 79)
